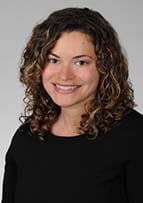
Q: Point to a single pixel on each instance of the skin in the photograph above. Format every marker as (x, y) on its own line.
(71, 63)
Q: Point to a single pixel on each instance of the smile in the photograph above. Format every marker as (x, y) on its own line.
(66, 89)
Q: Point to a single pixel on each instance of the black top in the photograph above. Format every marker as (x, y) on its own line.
(75, 169)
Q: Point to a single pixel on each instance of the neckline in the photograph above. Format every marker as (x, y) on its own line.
(82, 137)
(54, 137)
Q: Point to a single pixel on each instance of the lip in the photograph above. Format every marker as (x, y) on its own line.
(66, 84)
(66, 91)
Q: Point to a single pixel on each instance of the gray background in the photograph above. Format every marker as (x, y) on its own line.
(17, 18)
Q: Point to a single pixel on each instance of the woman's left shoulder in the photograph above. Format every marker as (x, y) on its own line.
(133, 134)
(134, 117)
(133, 122)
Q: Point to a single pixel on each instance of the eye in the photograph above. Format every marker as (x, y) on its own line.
(53, 60)
(82, 62)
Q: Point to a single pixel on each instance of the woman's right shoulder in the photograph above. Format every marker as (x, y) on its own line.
(19, 141)
(22, 133)
(23, 128)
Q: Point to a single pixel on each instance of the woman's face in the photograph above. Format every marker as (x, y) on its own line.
(70, 76)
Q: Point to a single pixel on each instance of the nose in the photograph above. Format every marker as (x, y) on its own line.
(66, 72)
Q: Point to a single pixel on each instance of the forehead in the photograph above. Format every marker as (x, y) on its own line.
(74, 42)
(75, 35)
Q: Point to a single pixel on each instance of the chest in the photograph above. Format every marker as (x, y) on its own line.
(71, 170)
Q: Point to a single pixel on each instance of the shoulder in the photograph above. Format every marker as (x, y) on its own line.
(134, 114)
(131, 130)
(133, 134)
(133, 121)
(127, 136)
(22, 133)
(131, 125)
(17, 144)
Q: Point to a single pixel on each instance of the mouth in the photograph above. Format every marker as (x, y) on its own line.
(66, 89)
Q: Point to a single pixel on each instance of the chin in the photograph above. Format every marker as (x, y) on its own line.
(64, 103)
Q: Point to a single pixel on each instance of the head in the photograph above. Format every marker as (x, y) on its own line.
(112, 95)
(70, 76)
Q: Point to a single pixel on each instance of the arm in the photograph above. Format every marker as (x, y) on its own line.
(134, 167)
(134, 178)
(10, 175)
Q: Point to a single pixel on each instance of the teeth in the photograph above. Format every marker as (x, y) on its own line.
(66, 87)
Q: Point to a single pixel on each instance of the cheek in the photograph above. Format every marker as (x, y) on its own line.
(45, 81)
(45, 78)
(46, 74)
(90, 77)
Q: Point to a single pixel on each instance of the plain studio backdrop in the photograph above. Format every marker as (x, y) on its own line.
(18, 17)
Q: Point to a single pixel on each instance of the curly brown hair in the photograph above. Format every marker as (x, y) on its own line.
(114, 95)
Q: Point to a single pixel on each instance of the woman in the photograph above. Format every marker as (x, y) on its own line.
(81, 140)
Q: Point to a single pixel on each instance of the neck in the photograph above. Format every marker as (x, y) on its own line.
(68, 122)
(70, 117)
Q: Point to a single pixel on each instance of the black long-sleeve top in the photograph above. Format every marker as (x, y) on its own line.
(108, 169)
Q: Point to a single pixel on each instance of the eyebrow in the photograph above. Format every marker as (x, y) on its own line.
(75, 57)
